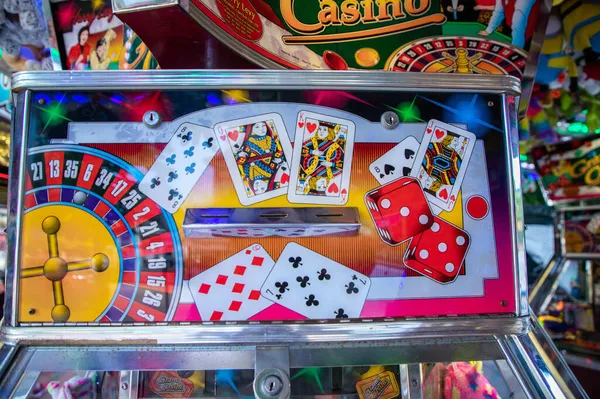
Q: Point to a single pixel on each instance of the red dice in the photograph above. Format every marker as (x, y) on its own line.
(439, 252)
(399, 210)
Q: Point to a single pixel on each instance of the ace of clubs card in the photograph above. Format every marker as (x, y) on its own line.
(315, 286)
(179, 166)
(257, 151)
(442, 161)
(230, 290)
(322, 161)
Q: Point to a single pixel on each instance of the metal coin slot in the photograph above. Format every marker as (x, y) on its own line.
(329, 215)
(214, 216)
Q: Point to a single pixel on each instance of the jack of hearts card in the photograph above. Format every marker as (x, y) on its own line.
(257, 151)
(322, 161)
(442, 161)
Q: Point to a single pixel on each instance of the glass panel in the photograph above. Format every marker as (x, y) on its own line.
(72, 384)
(196, 383)
(124, 242)
(490, 379)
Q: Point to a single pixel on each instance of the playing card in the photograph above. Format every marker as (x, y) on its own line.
(441, 162)
(397, 162)
(320, 172)
(179, 166)
(315, 286)
(230, 290)
(257, 152)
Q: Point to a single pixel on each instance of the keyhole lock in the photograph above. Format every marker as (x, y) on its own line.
(390, 120)
(151, 118)
(272, 383)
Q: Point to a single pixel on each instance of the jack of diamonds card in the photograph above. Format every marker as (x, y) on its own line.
(257, 152)
(322, 159)
(230, 290)
(441, 162)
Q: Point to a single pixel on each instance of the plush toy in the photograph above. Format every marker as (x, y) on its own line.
(22, 30)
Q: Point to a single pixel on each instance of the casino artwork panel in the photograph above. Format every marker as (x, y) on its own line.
(265, 211)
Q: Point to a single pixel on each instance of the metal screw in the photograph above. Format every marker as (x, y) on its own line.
(390, 120)
(490, 103)
(31, 311)
(124, 386)
(41, 101)
(272, 385)
(151, 118)
(414, 382)
(502, 303)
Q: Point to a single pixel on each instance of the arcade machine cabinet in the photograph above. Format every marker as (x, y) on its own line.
(565, 296)
(269, 234)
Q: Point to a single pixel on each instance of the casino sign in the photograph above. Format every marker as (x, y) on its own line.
(395, 35)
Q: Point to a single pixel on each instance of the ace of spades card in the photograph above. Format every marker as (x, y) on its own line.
(315, 286)
(442, 161)
(322, 161)
(179, 166)
(257, 151)
(230, 290)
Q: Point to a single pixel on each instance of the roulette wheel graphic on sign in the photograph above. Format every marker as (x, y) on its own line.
(459, 55)
(95, 249)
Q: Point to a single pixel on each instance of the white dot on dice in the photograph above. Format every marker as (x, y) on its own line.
(423, 254)
(435, 227)
(442, 247)
(79, 197)
(385, 203)
(404, 211)
(423, 219)
(449, 267)
(460, 240)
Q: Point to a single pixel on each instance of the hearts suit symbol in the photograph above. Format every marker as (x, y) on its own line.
(439, 133)
(311, 127)
(452, 198)
(428, 130)
(389, 169)
(233, 135)
(300, 125)
(444, 194)
(408, 153)
(285, 179)
(333, 189)
(344, 192)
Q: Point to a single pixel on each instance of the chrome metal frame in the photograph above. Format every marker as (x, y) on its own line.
(309, 344)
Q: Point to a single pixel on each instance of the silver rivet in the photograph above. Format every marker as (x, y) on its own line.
(390, 120)
(124, 386)
(151, 118)
(490, 103)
